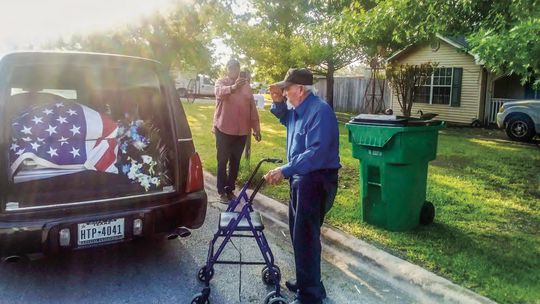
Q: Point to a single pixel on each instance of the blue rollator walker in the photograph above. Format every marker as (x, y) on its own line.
(246, 220)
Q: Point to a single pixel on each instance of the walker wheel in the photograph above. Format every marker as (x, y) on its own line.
(273, 296)
(267, 275)
(200, 299)
(205, 276)
(278, 300)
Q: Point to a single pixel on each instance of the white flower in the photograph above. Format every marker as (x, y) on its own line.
(139, 145)
(132, 174)
(147, 159)
(145, 182)
(155, 181)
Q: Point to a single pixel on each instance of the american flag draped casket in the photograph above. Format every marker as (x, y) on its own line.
(60, 138)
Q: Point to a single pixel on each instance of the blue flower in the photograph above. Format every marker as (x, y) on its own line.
(126, 168)
(124, 147)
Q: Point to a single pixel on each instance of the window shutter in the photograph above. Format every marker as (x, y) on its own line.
(456, 87)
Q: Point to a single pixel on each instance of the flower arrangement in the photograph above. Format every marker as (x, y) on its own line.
(142, 156)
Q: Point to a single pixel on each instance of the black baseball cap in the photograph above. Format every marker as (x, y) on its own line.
(296, 76)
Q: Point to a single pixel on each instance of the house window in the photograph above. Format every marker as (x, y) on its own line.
(437, 89)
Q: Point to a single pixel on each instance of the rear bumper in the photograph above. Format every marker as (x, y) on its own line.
(500, 120)
(20, 237)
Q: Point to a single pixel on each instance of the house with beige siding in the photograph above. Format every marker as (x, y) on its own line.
(461, 90)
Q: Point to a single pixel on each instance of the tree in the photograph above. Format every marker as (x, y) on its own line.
(178, 39)
(328, 49)
(405, 80)
(278, 34)
(504, 35)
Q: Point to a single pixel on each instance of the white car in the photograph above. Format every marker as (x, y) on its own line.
(520, 119)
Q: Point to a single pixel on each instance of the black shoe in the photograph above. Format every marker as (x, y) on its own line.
(231, 196)
(293, 287)
(224, 199)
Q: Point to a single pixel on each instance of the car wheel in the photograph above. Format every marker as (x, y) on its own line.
(520, 127)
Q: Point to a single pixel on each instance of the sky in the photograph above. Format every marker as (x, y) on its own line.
(24, 22)
(33, 22)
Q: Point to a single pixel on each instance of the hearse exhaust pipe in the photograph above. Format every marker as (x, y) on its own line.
(179, 232)
(12, 259)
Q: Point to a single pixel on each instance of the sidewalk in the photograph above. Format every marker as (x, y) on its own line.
(354, 256)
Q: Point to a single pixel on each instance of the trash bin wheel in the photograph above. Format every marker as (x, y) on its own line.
(205, 276)
(267, 277)
(273, 298)
(427, 213)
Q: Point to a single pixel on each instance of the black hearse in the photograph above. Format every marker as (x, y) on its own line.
(96, 150)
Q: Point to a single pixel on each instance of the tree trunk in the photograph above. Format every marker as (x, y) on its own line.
(330, 84)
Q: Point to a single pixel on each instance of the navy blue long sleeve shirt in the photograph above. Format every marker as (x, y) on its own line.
(312, 136)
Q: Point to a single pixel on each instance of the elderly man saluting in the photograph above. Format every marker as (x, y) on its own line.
(312, 170)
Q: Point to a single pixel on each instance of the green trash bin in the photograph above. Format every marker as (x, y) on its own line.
(394, 155)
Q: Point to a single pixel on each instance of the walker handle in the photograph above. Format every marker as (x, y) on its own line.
(268, 160)
(273, 160)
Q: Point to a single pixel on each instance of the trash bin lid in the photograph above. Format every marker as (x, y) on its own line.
(391, 120)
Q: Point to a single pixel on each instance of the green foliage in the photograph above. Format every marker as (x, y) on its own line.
(510, 43)
(274, 35)
(504, 35)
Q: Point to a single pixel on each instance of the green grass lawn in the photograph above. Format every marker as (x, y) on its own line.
(486, 191)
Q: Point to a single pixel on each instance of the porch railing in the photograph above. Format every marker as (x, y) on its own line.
(493, 109)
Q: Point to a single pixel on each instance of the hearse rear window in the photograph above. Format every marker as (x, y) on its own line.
(86, 132)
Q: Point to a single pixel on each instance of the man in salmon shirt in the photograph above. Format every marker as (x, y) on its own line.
(235, 118)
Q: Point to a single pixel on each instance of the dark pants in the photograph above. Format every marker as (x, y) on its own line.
(229, 152)
(312, 195)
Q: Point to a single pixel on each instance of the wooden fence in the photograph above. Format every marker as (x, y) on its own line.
(349, 93)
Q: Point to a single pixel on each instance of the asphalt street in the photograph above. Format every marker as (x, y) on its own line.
(162, 271)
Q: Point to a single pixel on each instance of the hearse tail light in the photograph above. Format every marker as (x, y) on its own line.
(137, 226)
(195, 180)
(64, 236)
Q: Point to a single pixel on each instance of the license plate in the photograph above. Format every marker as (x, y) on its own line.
(100, 231)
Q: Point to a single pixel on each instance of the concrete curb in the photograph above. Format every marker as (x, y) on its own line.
(349, 253)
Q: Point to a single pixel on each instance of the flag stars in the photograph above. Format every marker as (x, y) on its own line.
(74, 152)
(71, 112)
(14, 147)
(75, 130)
(61, 120)
(63, 141)
(40, 139)
(48, 112)
(37, 120)
(52, 152)
(59, 105)
(26, 130)
(35, 146)
(51, 130)
(21, 151)
(27, 138)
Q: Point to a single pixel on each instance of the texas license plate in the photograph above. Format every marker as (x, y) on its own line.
(100, 231)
